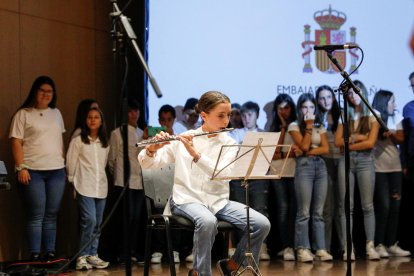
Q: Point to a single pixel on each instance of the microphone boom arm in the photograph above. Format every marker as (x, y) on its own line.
(132, 39)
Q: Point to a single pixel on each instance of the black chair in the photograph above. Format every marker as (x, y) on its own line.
(158, 185)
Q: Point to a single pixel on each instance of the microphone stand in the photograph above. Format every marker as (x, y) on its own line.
(349, 84)
(129, 31)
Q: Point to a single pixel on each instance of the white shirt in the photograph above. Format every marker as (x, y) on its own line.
(116, 161)
(192, 183)
(85, 165)
(180, 127)
(387, 155)
(41, 132)
(239, 133)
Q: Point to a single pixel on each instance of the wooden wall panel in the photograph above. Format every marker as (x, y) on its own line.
(11, 5)
(77, 12)
(66, 53)
(10, 98)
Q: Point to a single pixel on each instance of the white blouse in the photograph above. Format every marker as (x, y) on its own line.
(85, 165)
(192, 181)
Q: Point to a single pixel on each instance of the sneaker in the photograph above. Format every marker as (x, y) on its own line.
(288, 254)
(35, 257)
(382, 251)
(97, 262)
(323, 255)
(345, 257)
(222, 267)
(50, 256)
(264, 256)
(189, 258)
(176, 257)
(370, 251)
(82, 263)
(156, 258)
(396, 251)
(304, 255)
(231, 252)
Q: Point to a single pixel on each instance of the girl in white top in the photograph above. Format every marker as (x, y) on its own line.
(363, 129)
(37, 146)
(86, 160)
(199, 198)
(388, 177)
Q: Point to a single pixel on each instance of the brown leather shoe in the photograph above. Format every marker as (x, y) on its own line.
(223, 268)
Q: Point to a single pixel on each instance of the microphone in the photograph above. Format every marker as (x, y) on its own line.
(331, 47)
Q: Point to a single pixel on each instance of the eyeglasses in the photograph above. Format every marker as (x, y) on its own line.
(48, 92)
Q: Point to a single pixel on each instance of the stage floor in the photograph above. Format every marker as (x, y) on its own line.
(389, 267)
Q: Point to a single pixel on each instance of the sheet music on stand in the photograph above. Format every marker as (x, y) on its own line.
(263, 142)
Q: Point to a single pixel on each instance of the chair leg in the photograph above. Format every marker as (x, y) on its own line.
(226, 244)
(147, 251)
(169, 247)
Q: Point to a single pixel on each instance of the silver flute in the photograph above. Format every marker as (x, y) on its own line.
(177, 137)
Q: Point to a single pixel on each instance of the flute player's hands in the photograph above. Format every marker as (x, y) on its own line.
(187, 140)
(160, 136)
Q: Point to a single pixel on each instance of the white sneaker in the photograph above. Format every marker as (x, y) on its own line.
(370, 251)
(156, 258)
(345, 257)
(97, 262)
(82, 264)
(288, 254)
(323, 255)
(231, 252)
(396, 251)
(189, 258)
(304, 255)
(176, 257)
(264, 256)
(382, 251)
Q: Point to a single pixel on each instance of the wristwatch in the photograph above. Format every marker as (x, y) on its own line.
(21, 167)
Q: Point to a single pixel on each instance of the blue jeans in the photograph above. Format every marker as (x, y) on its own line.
(91, 213)
(362, 167)
(284, 197)
(206, 230)
(330, 209)
(311, 183)
(387, 201)
(42, 198)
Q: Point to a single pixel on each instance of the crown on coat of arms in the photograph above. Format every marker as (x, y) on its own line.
(329, 19)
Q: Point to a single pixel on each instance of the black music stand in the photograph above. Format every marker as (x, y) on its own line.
(248, 165)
